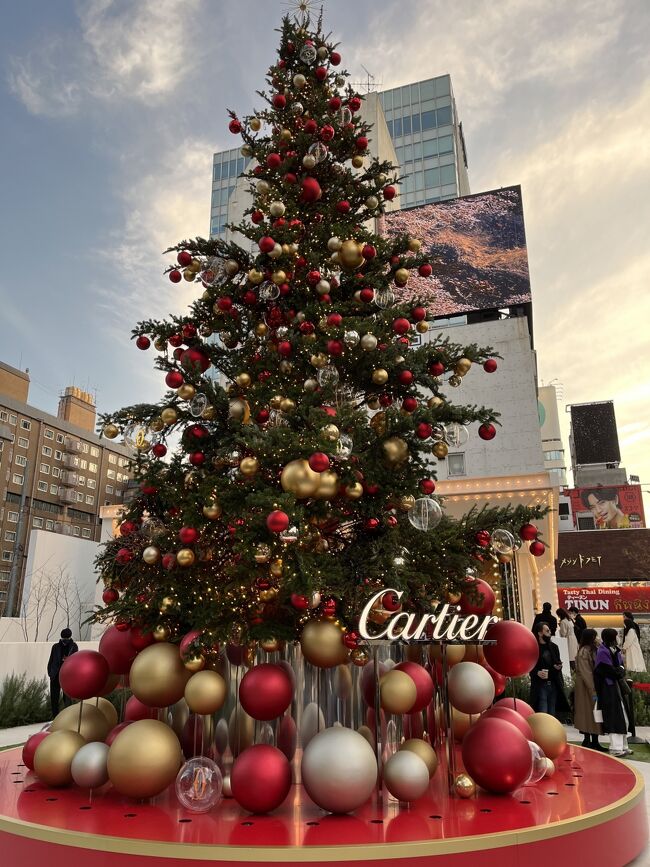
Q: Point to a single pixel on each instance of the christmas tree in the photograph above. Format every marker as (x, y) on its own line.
(308, 424)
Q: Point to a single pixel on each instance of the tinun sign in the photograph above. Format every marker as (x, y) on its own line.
(447, 625)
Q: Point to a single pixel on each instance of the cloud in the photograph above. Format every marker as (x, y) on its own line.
(137, 52)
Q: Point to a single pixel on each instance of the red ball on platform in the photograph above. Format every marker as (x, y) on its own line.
(537, 548)
(516, 649)
(319, 462)
(528, 532)
(497, 756)
(265, 691)
(490, 365)
(311, 191)
(498, 680)
(509, 716)
(483, 603)
(118, 650)
(83, 674)
(136, 710)
(114, 732)
(261, 778)
(522, 707)
(188, 535)
(487, 431)
(29, 748)
(423, 683)
(277, 521)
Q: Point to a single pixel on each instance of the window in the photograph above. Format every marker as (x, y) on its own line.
(37, 523)
(49, 525)
(49, 434)
(85, 532)
(58, 455)
(83, 465)
(431, 178)
(111, 474)
(54, 489)
(81, 480)
(20, 461)
(17, 479)
(13, 419)
(56, 472)
(118, 494)
(94, 451)
(25, 424)
(456, 464)
(448, 174)
(44, 506)
(110, 489)
(92, 468)
(60, 439)
(23, 442)
(90, 500)
(397, 127)
(123, 462)
(80, 497)
(443, 115)
(42, 487)
(428, 119)
(8, 556)
(445, 144)
(45, 469)
(91, 483)
(46, 451)
(12, 517)
(10, 535)
(75, 531)
(112, 459)
(3, 415)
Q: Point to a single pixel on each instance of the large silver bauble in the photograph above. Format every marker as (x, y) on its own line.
(470, 687)
(406, 776)
(312, 722)
(339, 770)
(89, 765)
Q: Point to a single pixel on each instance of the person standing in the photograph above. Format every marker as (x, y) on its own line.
(545, 616)
(585, 692)
(613, 692)
(64, 647)
(579, 623)
(567, 631)
(632, 653)
(546, 683)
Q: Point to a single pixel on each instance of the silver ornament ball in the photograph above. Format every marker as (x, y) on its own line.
(339, 770)
(89, 766)
(406, 776)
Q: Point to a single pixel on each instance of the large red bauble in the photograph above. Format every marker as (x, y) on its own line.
(188, 535)
(334, 103)
(516, 649)
(136, 710)
(483, 604)
(368, 681)
(436, 368)
(423, 683)
(265, 691)
(140, 639)
(29, 748)
(159, 450)
(319, 462)
(123, 556)
(537, 548)
(195, 360)
(114, 732)
(257, 217)
(497, 756)
(83, 674)
(418, 314)
(127, 528)
(174, 379)
(311, 191)
(261, 778)
(327, 132)
(184, 258)
(522, 707)
(490, 365)
(361, 143)
(266, 244)
(528, 532)
(510, 716)
(175, 275)
(116, 646)
(197, 459)
(278, 521)
(427, 486)
(487, 431)
(334, 347)
(498, 680)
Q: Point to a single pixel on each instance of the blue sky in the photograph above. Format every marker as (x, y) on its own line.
(111, 110)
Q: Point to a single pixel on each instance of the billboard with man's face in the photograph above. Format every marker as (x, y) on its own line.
(477, 246)
(617, 507)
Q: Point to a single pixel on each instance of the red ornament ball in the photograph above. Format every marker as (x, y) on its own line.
(83, 674)
(371, 524)
(299, 602)
(401, 325)
(188, 535)
(409, 404)
(510, 716)
(279, 100)
(335, 348)
(168, 561)
(368, 251)
(114, 732)
(135, 710)
(278, 521)
(427, 486)
(123, 556)
(481, 604)
(361, 143)
(184, 258)
(143, 342)
(528, 532)
(310, 126)
(257, 217)
(321, 73)
(261, 778)
(483, 538)
(140, 639)
(389, 193)
(522, 708)
(334, 103)
(423, 683)
(284, 348)
(109, 596)
(118, 650)
(265, 691)
(497, 756)
(367, 294)
(273, 160)
(537, 548)
(159, 450)
(197, 459)
(423, 430)
(175, 275)
(319, 462)
(405, 377)
(487, 431)
(425, 270)
(354, 103)
(29, 748)
(266, 244)
(311, 191)
(516, 649)
(335, 58)
(174, 379)
(436, 368)
(351, 640)
(490, 365)
(234, 126)
(343, 206)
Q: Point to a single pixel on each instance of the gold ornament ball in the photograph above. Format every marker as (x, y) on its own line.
(455, 653)
(396, 451)
(261, 329)
(401, 276)
(357, 161)
(406, 503)
(354, 491)
(255, 277)
(194, 663)
(277, 568)
(435, 402)
(350, 255)
(464, 786)
(548, 733)
(169, 415)
(157, 424)
(440, 450)
(243, 380)
(249, 466)
(310, 385)
(186, 391)
(414, 245)
(462, 366)
(104, 706)
(209, 413)
(425, 751)
(111, 431)
(359, 656)
(241, 731)
(144, 759)
(161, 633)
(189, 274)
(328, 486)
(94, 725)
(277, 209)
(398, 692)
(205, 692)
(279, 277)
(378, 423)
(331, 432)
(380, 376)
(160, 344)
(298, 478)
(287, 404)
(255, 124)
(212, 511)
(231, 267)
(271, 645)
(185, 557)
(151, 554)
(318, 360)
(158, 676)
(166, 603)
(275, 401)
(54, 755)
(461, 723)
(322, 645)
(422, 327)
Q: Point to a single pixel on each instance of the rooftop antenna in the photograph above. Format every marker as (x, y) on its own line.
(370, 84)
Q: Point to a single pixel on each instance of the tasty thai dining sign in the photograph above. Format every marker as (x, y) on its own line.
(448, 624)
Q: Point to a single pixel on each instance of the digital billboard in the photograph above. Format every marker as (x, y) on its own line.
(615, 507)
(594, 434)
(477, 246)
(591, 556)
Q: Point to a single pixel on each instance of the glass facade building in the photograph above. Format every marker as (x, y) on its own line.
(226, 167)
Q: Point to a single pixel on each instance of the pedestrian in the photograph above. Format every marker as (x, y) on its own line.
(64, 647)
(632, 653)
(545, 616)
(546, 682)
(585, 692)
(567, 631)
(579, 623)
(613, 692)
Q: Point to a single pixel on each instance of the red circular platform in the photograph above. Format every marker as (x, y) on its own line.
(594, 804)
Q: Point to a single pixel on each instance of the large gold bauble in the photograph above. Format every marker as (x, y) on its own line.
(440, 450)
(158, 676)
(378, 423)
(354, 491)
(249, 466)
(474, 653)
(331, 432)
(186, 391)
(212, 511)
(380, 376)
(241, 730)
(425, 751)
(144, 759)
(328, 486)
(396, 451)
(255, 277)
(151, 554)
(401, 276)
(108, 709)
(357, 161)
(414, 245)
(464, 786)
(111, 431)
(205, 692)
(548, 733)
(169, 415)
(94, 725)
(322, 645)
(185, 557)
(298, 478)
(54, 755)
(398, 692)
(454, 653)
(350, 255)
(462, 366)
(243, 380)
(461, 723)
(435, 402)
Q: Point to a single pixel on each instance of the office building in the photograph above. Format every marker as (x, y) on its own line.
(549, 420)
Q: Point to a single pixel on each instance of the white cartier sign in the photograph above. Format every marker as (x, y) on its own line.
(447, 625)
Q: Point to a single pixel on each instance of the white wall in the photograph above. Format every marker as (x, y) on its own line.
(18, 657)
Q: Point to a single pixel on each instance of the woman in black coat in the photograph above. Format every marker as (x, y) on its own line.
(613, 692)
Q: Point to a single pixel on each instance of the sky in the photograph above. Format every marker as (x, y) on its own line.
(111, 111)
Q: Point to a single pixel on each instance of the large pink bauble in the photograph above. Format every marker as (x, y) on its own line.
(423, 683)
(136, 710)
(483, 604)
(261, 778)
(368, 681)
(29, 748)
(114, 732)
(516, 649)
(118, 649)
(84, 674)
(522, 707)
(265, 691)
(470, 687)
(510, 716)
(496, 756)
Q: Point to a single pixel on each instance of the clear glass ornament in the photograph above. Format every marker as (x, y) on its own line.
(438, 433)
(198, 405)
(351, 338)
(282, 332)
(384, 298)
(269, 291)
(297, 108)
(328, 375)
(401, 557)
(308, 54)
(199, 785)
(391, 742)
(345, 115)
(278, 419)
(426, 514)
(539, 764)
(344, 446)
(318, 150)
(457, 434)
(151, 528)
(290, 535)
(455, 381)
(503, 541)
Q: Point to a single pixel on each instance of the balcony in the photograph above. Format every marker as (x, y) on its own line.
(70, 461)
(68, 496)
(73, 446)
(69, 479)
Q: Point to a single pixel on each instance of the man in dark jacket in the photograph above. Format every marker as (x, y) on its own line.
(579, 623)
(546, 616)
(546, 681)
(64, 647)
